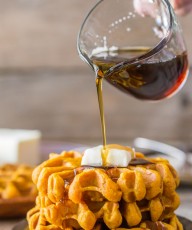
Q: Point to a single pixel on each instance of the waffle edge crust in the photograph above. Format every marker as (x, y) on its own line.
(138, 197)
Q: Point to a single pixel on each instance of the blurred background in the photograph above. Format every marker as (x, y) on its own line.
(44, 85)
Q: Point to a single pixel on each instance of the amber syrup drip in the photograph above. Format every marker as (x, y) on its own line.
(99, 81)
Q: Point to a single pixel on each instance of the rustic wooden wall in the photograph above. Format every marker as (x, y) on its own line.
(44, 85)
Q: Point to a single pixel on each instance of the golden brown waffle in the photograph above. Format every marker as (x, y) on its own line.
(39, 221)
(17, 191)
(75, 197)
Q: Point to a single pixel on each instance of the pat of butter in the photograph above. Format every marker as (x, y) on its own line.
(118, 157)
(98, 156)
(19, 146)
(93, 156)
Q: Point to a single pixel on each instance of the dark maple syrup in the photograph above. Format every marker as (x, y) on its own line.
(99, 80)
(150, 79)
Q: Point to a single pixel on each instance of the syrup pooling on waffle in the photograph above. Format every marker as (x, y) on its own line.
(15, 181)
(72, 196)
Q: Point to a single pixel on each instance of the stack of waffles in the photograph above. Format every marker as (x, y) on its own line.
(15, 182)
(17, 191)
(71, 196)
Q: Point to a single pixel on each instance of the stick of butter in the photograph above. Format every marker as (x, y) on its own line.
(20, 146)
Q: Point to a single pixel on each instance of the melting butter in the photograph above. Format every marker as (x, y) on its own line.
(110, 155)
